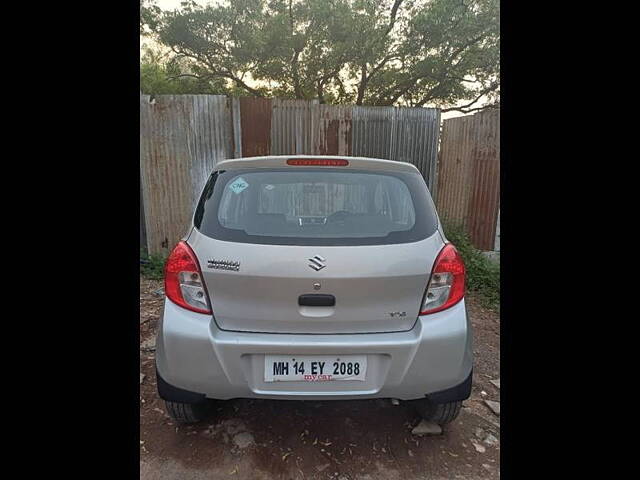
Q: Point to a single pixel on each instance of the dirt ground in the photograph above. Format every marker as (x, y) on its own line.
(340, 440)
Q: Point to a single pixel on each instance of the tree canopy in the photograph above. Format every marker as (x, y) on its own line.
(161, 74)
(368, 52)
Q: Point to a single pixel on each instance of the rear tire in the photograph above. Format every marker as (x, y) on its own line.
(187, 412)
(440, 413)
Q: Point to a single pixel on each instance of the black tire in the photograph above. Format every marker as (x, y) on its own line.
(187, 412)
(440, 413)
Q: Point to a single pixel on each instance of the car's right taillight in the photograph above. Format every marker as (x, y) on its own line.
(183, 283)
(446, 285)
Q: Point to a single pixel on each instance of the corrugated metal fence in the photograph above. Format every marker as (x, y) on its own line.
(469, 176)
(182, 137)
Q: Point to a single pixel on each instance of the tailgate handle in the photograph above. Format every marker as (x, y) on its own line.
(316, 300)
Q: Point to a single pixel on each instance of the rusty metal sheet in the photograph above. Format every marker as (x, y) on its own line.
(209, 136)
(497, 242)
(255, 120)
(454, 171)
(469, 175)
(402, 134)
(333, 136)
(372, 131)
(182, 138)
(236, 127)
(143, 228)
(415, 140)
(485, 194)
(293, 125)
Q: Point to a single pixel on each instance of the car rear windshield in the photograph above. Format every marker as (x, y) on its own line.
(324, 206)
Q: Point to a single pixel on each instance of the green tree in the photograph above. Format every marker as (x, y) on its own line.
(303, 47)
(161, 74)
(369, 52)
(450, 51)
(149, 16)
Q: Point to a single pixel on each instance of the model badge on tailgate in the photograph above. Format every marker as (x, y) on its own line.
(224, 265)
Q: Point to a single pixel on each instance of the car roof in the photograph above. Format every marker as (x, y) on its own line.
(358, 163)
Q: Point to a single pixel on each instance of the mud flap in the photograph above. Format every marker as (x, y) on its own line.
(453, 394)
(175, 394)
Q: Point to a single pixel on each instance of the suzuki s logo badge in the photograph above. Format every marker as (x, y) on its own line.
(317, 263)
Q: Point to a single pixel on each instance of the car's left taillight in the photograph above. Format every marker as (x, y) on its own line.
(446, 285)
(183, 283)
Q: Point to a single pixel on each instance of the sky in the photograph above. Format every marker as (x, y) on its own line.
(173, 4)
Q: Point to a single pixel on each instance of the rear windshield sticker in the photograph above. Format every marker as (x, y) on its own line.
(238, 185)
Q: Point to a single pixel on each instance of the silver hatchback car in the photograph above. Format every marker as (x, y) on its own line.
(314, 278)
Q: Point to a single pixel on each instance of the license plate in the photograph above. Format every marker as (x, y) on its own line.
(314, 368)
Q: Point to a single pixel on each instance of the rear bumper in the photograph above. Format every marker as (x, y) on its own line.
(195, 357)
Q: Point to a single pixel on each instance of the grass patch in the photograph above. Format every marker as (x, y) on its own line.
(151, 266)
(483, 275)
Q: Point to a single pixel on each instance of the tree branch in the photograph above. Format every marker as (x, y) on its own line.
(491, 88)
(363, 83)
(469, 110)
(295, 57)
(410, 83)
(182, 75)
(229, 76)
(320, 91)
(366, 77)
(242, 84)
(225, 72)
(392, 19)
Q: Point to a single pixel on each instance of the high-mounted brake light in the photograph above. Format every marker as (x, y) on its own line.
(183, 283)
(324, 162)
(446, 285)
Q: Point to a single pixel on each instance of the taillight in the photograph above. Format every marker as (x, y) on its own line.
(183, 283)
(446, 286)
